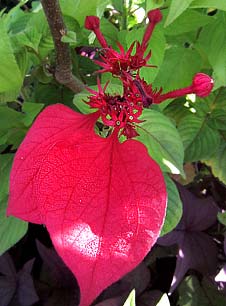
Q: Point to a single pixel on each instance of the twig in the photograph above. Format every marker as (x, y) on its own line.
(63, 70)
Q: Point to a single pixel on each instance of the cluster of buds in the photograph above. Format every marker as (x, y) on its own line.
(122, 112)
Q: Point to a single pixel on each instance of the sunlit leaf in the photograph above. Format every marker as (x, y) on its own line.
(103, 202)
(161, 137)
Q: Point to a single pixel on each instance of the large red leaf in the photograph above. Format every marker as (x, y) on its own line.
(103, 202)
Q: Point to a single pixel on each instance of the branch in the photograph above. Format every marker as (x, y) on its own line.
(63, 70)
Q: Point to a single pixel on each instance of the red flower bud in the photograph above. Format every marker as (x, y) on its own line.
(202, 84)
(92, 23)
(155, 16)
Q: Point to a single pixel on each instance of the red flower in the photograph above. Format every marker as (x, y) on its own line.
(120, 112)
(119, 62)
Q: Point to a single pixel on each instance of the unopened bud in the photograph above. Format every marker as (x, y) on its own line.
(92, 23)
(155, 16)
(202, 84)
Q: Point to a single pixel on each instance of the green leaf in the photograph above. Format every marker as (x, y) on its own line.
(10, 76)
(46, 45)
(131, 299)
(218, 4)
(18, 21)
(189, 21)
(10, 121)
(80, 103)
(218, 119)
(157, 46)
(70, 37)
(174, 207)
(176, 9)
(14, 13)
(118, 5)
(222, 218)
(11, 229)
(200, 141)
(31, 110)
(30, 37)
(5, 166)
(195, 293)
(109, 31)
(29, 30)
(153, 4)
(8, 96)
(162, 140)
(79, 9)
(164, 301)
(212, 41)
(217, 162)
(22, 59)
(52, 93)
(176, 110)
(176, 70)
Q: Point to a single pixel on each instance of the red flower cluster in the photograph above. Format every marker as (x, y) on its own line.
(123, 111)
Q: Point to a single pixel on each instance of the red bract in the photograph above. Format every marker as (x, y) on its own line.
(103, 202)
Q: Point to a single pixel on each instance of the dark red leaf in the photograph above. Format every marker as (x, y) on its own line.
(137, 279)
(26, 293)
(16, 287)
(103, 202)
(7, 290)
(60, 275)
(8, 279)
(7, 266)
(197, 250)
(150, 298)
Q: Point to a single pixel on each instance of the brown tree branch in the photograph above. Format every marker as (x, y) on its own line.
(63, 70)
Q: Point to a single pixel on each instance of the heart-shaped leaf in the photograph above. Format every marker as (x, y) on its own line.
(103, 202)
